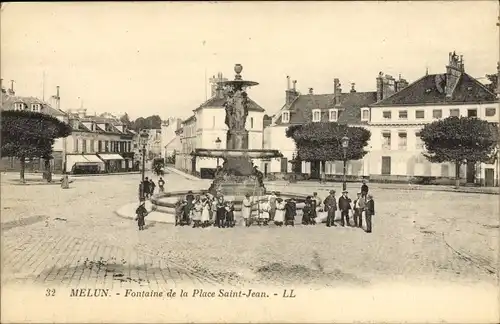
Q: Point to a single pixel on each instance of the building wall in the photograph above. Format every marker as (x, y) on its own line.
(408, 160)
(275, 139)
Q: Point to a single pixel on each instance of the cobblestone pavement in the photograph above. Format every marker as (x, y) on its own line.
(72, 238)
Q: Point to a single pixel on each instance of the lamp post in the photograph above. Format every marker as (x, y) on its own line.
(345, 145)
(143, 139)
(217, 145)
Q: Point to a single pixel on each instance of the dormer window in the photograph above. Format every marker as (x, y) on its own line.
(365, 114)
(18, 106)
(285, 117)
(316, 115)
(36, 107)
(333, 115)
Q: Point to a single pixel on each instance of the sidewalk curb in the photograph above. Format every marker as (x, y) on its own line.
(184, 174)
(125, 213)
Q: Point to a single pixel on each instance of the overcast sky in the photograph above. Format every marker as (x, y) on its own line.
(151, 58)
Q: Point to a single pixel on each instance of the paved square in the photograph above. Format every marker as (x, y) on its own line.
(73, 238)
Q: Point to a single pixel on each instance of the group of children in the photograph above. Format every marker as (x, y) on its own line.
(204, 211)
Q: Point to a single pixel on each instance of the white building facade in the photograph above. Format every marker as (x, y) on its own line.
(395, 146)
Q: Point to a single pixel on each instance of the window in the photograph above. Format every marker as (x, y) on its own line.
(18, 106)
(129, 147)
(333, 115)
(386, 114)
(419, 114)
(445, 170)
(403, 114)
(490, 112)
(365, 114)
(402, 140)
(285, 117)
(437, 113)
(471, 112)
(99, 146)
(386, 140)
(84, 146)
(454, 112)
(316, 115)
(251, 122)
(35, 107)
(92, 145)
(75, 145)
(106, 146)
(418, 141)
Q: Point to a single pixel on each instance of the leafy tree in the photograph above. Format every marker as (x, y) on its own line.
(27, 135)
(151, 122)
(323, 141)
(493, 85)
(125, 119)
(460, 140)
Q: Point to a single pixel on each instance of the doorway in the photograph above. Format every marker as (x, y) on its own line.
(386, 165)
(315, 169)
(471, 172)
(489, 177)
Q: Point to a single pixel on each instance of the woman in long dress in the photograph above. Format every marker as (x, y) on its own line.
(205, 214)
(229, 214)
(197, 211)
(279, 217)
(246, 209)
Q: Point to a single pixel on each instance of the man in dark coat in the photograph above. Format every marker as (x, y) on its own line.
(152, 187)
(189, 206)
(359, 206)
(221, 212)
(330, 207)
(145, 187)
(290, 212)
(141, 212)
(161, 184)
(364, 189)
(369, 212)
(307, 211)
(344, 207)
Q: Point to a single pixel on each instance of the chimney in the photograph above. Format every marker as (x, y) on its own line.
(288, 82)
(11, 90)
(311, 91)
(291, 93)
(400, 84)
(454, 70)
(336, 91)
(353, 87)
(380, 86)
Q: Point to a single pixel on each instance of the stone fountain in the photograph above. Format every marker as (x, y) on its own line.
(237, 176)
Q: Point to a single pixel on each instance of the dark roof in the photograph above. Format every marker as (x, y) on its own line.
(218, 102)
(8, 102)
(430, 90)
(349, 112)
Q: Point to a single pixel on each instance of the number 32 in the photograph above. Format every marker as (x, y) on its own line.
(50, 292)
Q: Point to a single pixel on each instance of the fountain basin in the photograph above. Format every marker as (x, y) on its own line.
(165, 202)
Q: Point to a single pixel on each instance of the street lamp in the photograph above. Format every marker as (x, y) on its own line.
(143, 139)
(345, 145)
(217, 145)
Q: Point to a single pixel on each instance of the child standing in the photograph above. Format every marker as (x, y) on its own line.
(141, 213)
(263, 213)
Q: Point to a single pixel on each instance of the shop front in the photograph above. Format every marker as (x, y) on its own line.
(113, 162)
(84, 164)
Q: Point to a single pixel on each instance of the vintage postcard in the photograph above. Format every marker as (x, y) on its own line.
(250, 162)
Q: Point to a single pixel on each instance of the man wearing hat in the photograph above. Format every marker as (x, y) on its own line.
(344, 206)
(369, 212)
(141, 212)
(246, 209)
(359, 206)
(330, 207)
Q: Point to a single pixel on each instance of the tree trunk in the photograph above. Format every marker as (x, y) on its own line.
(457, 174)
(23, 167)
(48, 173)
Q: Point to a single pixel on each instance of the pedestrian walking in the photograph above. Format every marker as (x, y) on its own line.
(141, 212)
(246, 209)
(330, 207)
(152, 187)
(221, 212)
(197, 211)
(290, 212)
(161, 185)
(364, 189)
(145, 188)
(279, 217)
(344, 207)
(369, 212)
(358, 205)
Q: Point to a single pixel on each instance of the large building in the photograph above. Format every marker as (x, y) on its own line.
(337, 107)
(395, 122)
(207, 126)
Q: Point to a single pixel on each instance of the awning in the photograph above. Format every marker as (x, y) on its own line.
(111, 156)
(87, 159)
